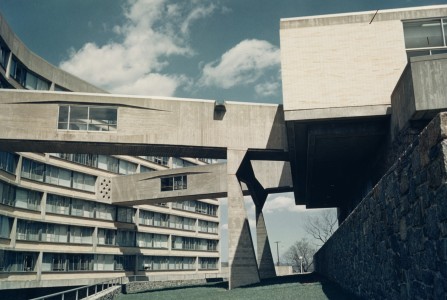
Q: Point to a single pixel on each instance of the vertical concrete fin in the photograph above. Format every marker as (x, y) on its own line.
(241, 254)
(265, 259)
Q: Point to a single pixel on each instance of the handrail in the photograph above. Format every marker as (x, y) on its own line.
(85, 290)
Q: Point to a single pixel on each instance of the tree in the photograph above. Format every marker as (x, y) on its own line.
(321, 227)
(304, 249)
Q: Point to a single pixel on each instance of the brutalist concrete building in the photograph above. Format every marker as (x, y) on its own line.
(362, 128)
(55, 231)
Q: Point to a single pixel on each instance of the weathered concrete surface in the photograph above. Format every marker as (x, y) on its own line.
(146, 126)
(241, 254)
(421, 92)
(394, 244)
(266, 264)
(209, 181)
(326, 65)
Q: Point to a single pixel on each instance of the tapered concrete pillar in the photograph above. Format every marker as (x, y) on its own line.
(241, 255)
(266, 264)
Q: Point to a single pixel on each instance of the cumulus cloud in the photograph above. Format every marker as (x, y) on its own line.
(243, 64)
(266, 89)
(282, 203)
(134, 61)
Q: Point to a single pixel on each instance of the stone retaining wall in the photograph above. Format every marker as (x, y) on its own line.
(141, 286)
(108, 294)
(394, 244)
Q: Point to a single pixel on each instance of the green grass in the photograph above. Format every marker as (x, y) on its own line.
(289, 287)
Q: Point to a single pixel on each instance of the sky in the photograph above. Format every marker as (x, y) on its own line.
(206, 49)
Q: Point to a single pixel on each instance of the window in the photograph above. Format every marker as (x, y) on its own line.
(180, 163)
(82, 208)
(150, 240)
(126, 167)
(125, 238)
(144, 169)
(7, 194)
(80, 262)
(173, 183)
(87, 118)
(207, 226)
(5, 226)
(57, 176)
(4, 55)
(58, 204)
(11, 261)
(105, 211)
(108, 163)
(188, 243)
(208, 263)
(106, 236)
(124, 262)
(125, 214)
(26, 78)
(81, 235)
(429, 35)
(8, 162)
(28, 199)
(160, 160)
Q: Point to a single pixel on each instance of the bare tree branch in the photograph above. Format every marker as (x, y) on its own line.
(304, 249)
(321, 227)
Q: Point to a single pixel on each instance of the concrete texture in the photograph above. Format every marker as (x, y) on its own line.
(146, 126)
(421, 92)
(393, 245)
(241, 254)
(349, 61)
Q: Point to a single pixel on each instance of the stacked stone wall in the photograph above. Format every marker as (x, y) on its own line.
(141, 286)
(394, 244)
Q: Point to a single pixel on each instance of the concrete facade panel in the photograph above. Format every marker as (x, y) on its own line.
(341, 65)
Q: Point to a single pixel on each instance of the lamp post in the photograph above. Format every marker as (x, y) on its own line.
(277, 252)
(301, 264)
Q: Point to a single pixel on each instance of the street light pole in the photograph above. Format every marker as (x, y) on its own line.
(301, 263)
(277, 252)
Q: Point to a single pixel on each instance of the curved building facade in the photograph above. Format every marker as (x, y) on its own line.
(53, 229)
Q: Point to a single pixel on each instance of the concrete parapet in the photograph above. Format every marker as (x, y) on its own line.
(394, 244)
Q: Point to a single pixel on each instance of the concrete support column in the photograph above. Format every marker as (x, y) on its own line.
(266, 264)
(243, 268)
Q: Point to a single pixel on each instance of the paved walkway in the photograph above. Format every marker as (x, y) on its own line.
(306, 286)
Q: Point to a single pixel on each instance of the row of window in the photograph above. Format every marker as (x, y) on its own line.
(55, 233)
(18, 197)
(87, 118)
(58, 233)
(160, 160)
(430, 34)
(26, 78)
(196, 206)
(103, 162)
(57, 176)
(189, 243)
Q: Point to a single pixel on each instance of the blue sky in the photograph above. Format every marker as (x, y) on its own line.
(222, 50)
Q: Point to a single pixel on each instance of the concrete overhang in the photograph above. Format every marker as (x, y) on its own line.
(324, 155)
(203, 182)
(421, 91)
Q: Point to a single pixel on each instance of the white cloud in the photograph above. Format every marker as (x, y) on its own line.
(282, 203)
(243, 64)
(134, 61)
(266, 89)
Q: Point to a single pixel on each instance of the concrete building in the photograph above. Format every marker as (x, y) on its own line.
(358, 90)
(57, 225)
